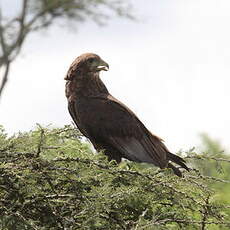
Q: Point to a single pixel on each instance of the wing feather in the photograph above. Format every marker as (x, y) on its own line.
(138, 150)
(75, 117)
(118, 126)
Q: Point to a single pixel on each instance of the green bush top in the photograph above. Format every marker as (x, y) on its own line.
(50, 178)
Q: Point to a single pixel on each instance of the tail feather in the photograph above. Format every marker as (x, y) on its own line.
(178, 160)
(175, 170)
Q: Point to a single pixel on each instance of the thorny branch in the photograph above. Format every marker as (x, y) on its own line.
(207, 158)
(159, 222)
(59, 183)
(204, 213)
(41, 140)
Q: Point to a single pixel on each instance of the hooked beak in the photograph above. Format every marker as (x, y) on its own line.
(103, 66)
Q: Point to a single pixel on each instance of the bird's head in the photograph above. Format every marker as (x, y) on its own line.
(85, 64)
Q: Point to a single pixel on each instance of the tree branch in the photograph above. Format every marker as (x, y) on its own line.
(22, 31)
(2, 42)
(5, 77)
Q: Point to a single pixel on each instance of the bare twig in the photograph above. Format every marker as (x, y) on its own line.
(17, 45)
(41, 140)
(208, 158)
(2, 40)
(204, 213)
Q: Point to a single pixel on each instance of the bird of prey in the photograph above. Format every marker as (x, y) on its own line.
(108, 123)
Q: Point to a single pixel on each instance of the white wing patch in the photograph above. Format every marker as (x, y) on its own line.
(134, 150)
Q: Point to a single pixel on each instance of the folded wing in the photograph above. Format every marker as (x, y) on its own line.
(112, 123)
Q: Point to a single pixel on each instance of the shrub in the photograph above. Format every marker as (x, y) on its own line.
(50, 178)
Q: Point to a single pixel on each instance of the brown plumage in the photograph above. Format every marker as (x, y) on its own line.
(108, 123)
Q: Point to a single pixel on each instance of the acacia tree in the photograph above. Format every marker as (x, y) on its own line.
(51, 179)
(35, 15)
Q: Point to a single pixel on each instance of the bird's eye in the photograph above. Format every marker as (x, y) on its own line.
(90, 60)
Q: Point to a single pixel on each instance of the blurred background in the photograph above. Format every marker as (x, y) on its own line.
(169, 62)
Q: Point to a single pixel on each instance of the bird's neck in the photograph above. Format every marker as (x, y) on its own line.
(88, 86)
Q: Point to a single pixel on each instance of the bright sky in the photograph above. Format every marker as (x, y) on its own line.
(172, 68)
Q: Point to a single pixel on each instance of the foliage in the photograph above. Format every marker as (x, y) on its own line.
(214, 162)
(35, 15)
(51, 179)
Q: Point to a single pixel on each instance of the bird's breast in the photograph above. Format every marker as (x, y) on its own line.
(89, 110)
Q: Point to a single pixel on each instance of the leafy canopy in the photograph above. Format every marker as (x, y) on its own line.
(51, 179)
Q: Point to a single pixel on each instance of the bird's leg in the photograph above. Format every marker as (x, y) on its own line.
(113, 156)
(109, 151)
